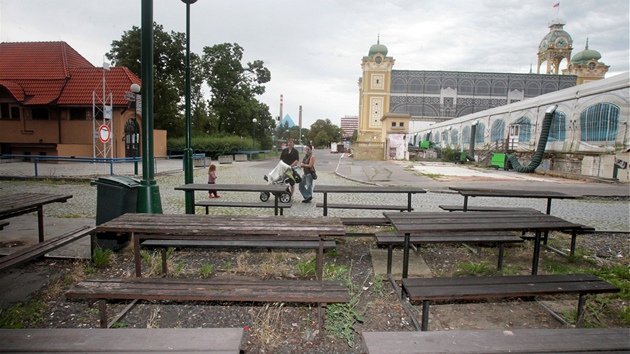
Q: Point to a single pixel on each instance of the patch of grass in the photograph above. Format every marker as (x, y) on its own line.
(206, 269)
(307, 268)
(266, 326)
(336, 272)
(433, 176)
(22, 314)
(153, 259)
(378, 286)
(120, 325)
(475, 269)
(340, 320)
(101, 257)
(179, 268)
(227, 266)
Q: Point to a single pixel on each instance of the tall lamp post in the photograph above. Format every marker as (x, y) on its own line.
(135, 88)
(149, 200)
(188, 167)
(254, 134)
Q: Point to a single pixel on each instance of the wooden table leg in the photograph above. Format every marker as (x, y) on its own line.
(136, 254)
(536, 252)
(406, 255)
(40, 222)
(325, 204)
(320, 260)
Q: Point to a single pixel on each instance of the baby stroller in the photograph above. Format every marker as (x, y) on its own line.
(281, 174)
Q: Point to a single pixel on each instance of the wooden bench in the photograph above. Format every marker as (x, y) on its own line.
(378, 221)
(391, 239)
(162, 245)
(469, 288)
(485, 208)
(574, 340)
(297, 291)
(42, 248)
(122, 340)
(220, 203)
(364, 206)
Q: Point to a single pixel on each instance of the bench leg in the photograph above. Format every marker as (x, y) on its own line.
(389, 259)
(136, 254)
(207, 210)
(40, 223)
(425, 315)
(320, 260)
(573, 239)
(500, 265)
(102, 309)
(580, 309)
(536, 253)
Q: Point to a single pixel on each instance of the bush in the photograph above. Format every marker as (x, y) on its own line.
(213, 145)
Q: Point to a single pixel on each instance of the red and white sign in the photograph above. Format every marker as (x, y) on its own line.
(104, 134)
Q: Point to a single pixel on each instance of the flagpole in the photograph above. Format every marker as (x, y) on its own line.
(557, 11)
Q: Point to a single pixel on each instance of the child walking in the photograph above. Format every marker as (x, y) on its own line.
(212, 178)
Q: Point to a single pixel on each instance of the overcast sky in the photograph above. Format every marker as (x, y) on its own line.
(314, 48)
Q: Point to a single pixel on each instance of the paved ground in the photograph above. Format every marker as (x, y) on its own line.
(604, 214)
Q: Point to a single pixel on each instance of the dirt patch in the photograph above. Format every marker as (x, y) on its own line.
(292, 328)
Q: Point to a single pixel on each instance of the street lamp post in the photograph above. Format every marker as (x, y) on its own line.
(149, 200)
(188, 168)
(135, 88)
(254, 134)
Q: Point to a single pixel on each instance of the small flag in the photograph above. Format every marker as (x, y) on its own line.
(556, 5)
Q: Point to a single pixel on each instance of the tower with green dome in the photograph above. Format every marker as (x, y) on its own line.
(586, 66)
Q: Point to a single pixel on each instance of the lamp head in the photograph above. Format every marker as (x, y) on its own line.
(254, 120)
(135, 88)
(189, 2)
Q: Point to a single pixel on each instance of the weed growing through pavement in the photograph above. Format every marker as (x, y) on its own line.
(341, 317)
(206, 269)
(101, 257)
(475, 269)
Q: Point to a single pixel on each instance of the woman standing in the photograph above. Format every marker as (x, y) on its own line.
(306, 185)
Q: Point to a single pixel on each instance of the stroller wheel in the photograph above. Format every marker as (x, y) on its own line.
(264, 196)
(285, 197)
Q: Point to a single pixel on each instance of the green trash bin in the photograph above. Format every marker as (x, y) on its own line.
(115, 196)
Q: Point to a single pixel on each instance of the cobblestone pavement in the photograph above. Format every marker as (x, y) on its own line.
(603, 214)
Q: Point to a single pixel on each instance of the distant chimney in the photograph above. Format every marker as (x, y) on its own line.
(280, 116)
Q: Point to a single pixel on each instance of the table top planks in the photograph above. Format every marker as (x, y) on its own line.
(422, 222)
(511, 193)
(366, 189)
(17, 203)
(575, 340)
(126, 340)
(191, 224)
(271, 188)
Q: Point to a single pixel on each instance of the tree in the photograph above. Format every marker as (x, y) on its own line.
(169, 53)
(332, 132)
(233, 88)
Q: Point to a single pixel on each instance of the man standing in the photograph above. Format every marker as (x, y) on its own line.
(291, 157)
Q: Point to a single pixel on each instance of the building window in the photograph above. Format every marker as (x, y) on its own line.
(401, 124)
(481, 131)
(9, 111)
(599, 122)
(524, 129)
(77, 114)
(393, 124)
(557, 131)
(454, 137)
(466, 135)
(40, 114)
(497, 132)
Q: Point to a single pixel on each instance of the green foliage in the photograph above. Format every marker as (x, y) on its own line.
(206, 269)
(307, 268)
(448, 153)
(27, 313)
(474, 269)
(336, 272)
(101, 258)
(340, 320)
(120, 325)
(323, 132)
(212, 145)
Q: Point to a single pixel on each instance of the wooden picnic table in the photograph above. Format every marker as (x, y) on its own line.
(274, 189)
(326, 189)
(13, 205)
(220, 227)
(511, 193)
(435, 222)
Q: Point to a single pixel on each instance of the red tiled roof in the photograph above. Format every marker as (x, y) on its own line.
(40, 73)
(39, 60)
(83, 81)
